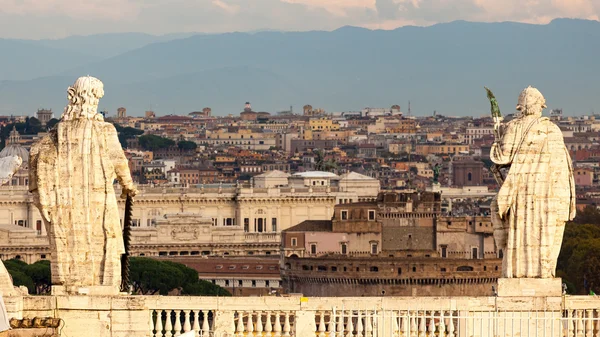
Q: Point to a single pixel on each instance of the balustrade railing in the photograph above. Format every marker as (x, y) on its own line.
(274, 316)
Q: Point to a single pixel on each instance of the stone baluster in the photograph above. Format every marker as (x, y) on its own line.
(422, 325)
(451, 324)
(286, 325)
(205, 325)
(177, 326)
(413, 324)
(368, 324)
(396, 323)
(196, 324)
(431, 329)
(268, 324)
(588, 323)
(240, 324)
(250, 323)
(259, 324)
(569, 332)
(580, 325)
(359, 325)
(187, 325)
(321, 328)
(350, 326)
(277, 326)
(331, 326)
(442, 329)
(158, 325)
(375, 323)
(340, 325)
(168, 324)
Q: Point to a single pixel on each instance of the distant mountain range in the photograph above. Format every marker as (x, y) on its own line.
(443, 67)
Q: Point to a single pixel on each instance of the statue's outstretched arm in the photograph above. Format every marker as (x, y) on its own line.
(119, 161)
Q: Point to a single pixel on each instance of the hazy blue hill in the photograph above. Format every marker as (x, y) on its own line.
(107, 45)
(443, 67)
(25, 60)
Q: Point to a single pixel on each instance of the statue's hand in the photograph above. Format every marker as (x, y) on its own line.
(129, 191)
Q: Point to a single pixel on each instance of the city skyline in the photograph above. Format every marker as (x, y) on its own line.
(51, 19)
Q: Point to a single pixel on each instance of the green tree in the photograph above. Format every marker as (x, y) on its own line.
(17, 270)
(126, 133)
(39, 273)
(579, 259)
(187, 145)
(150, 276)
(153, 142)
(589, 215)
(51, 123)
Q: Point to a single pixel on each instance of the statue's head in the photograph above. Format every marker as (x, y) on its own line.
(83, 98)
(531, 102)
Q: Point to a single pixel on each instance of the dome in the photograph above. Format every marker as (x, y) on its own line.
(14, 148)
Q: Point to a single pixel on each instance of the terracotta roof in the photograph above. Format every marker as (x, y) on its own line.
(312, 226)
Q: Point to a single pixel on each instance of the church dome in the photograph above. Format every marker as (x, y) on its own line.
(14, 148)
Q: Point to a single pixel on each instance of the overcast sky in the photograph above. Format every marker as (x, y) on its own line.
(35, 19)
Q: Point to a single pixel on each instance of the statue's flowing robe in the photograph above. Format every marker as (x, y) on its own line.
(72, 171)
(536, 198)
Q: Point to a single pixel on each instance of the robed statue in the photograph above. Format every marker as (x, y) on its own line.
(72, 171)
(537, 195)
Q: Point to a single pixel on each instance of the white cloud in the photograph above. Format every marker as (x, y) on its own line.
(230, 9)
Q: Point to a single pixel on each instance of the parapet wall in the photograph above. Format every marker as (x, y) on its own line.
(104, 316)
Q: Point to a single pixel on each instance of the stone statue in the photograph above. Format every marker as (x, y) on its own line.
(436, 173)
(72, 171)
(537, 195)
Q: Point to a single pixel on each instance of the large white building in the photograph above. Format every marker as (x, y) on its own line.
(242, 219)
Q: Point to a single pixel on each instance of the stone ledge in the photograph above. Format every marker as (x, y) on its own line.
(529, 287)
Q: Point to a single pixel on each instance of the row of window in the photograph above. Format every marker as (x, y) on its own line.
(344, 214)
(376, 269)
(240, 283)
(244, 267)
(260, 225)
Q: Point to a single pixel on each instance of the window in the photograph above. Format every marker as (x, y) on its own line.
(267, 284)
(474, 253)
(313, 248)
(240, 283)
(344, 248)
(371, 215)
(469, 176)
(246, 225)
(254, 283)
(274, 224)
(374, 249)
(344, 215)
(38, 227)
(294, 242)
(444, 251)
(374, 269)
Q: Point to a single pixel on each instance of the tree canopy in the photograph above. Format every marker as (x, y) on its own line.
(51, 123)
(153, 142)
(149, 276)
(36, 276)
(126, 133)
(579, 259)
(187, 145)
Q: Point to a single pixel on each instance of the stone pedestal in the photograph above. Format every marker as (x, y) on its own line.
(94, 291)
(529, 287)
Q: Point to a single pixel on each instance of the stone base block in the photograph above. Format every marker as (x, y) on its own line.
(94, 291)
(534, 287)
